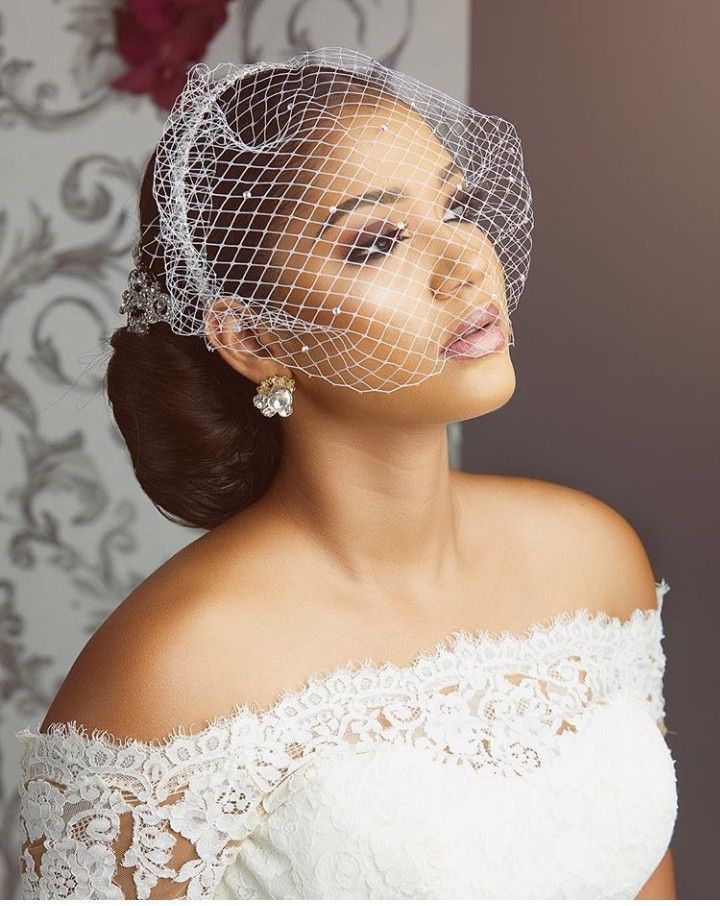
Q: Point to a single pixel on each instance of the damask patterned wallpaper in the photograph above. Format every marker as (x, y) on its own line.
(76, 532)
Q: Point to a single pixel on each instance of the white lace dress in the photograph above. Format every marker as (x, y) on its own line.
(494, 766)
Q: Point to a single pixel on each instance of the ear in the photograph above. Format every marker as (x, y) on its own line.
(241, 347)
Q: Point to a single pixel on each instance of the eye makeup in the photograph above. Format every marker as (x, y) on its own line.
(371, 244)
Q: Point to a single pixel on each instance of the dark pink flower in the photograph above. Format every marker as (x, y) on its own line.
(160, 40)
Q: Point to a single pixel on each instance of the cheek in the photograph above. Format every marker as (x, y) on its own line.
(378, 305)
(398, 320)
(389, 325)
(380, 338)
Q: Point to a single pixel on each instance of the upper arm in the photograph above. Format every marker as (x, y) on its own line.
(661, 883)
(160, 662)
(624, 573)
(599, 550)
(119, 683)
(609, 567)
(146, 673)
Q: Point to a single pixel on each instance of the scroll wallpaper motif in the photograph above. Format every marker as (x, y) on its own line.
(77, 534)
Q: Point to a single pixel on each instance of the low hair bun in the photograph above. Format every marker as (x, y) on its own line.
(200, 449)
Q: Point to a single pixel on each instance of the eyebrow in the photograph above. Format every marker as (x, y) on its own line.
(379, 196)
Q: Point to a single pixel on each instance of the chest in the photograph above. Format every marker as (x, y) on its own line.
(491, 767)
(314, 638)
(589, 816)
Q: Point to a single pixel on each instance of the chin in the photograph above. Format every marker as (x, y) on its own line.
(480, 386)
(464, 389)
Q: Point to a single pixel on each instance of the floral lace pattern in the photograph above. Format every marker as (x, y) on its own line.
(120, 819)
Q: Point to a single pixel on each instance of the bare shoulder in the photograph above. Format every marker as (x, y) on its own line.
(571, 535)
(177, 653)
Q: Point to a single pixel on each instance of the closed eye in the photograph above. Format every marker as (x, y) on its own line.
(382, 245)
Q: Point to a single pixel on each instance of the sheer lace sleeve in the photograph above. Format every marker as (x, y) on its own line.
(109, 819)
(103, 819)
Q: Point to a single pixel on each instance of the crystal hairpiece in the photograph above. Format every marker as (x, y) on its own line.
(144, 302)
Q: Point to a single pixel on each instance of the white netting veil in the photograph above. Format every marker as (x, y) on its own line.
(356, 221)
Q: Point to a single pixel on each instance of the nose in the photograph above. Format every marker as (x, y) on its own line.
(458, 259)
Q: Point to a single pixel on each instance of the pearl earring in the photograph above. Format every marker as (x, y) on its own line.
(275, 395)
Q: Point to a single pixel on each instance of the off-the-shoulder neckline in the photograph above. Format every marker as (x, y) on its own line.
(294, 700)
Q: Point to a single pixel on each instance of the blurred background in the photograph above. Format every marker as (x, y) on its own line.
(615, 336)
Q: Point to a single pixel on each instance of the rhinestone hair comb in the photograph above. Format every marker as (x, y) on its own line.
(144, 302)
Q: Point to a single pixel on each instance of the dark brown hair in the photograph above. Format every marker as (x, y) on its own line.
(199, 447)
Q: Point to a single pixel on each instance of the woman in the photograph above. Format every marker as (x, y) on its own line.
(374, 676)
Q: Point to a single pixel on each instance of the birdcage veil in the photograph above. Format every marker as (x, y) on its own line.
(354, 217)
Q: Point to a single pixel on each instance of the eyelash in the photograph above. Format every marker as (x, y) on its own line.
(394, 236)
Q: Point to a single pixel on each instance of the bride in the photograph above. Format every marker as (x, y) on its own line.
(373, 676)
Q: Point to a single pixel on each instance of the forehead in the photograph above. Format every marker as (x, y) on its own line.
(371, 147)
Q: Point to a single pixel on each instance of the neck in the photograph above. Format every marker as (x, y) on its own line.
(380, 507)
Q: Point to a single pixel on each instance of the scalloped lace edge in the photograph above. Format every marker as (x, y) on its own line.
(295, 699)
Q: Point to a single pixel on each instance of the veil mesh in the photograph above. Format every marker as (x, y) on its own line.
(353, 220)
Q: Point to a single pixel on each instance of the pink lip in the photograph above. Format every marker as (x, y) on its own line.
(483, 332)
(478, 344)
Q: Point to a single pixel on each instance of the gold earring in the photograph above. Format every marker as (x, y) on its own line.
(275, 395)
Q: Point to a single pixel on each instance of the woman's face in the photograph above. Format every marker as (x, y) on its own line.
(385, 281)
